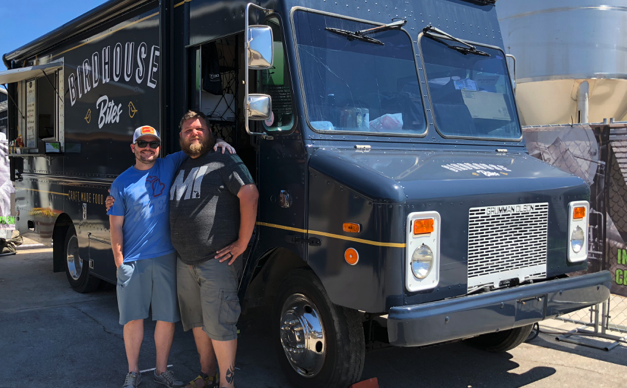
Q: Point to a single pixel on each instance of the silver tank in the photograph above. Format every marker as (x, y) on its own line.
(571, 58)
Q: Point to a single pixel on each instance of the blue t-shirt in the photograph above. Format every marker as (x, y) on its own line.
(141, 196)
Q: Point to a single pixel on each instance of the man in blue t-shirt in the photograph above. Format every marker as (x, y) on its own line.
(143, 253)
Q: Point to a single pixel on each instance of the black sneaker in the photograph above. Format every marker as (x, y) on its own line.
(167, 378)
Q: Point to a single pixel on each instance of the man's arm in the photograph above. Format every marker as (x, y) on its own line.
(248, 198)
(117, 239)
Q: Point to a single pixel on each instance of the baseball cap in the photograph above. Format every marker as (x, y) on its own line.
(145, 130)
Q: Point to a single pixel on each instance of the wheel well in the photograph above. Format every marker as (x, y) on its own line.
(270, 273)
(61, 227)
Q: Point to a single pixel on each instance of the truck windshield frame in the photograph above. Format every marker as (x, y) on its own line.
(471, 96)
(344, 87)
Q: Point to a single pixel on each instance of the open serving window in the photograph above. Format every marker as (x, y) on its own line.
(40, 104)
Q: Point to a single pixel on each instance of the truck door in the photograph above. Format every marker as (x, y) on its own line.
(282, 160)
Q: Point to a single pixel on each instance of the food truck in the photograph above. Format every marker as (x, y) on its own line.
(398, 203)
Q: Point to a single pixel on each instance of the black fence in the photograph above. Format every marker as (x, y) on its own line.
(597, 153)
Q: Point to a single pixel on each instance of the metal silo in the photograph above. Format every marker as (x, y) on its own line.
(571, 58)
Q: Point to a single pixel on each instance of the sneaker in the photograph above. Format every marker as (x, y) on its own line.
(167, 378)
(132, 380)
(208, 381)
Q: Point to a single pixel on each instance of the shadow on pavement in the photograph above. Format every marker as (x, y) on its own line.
(616, 356)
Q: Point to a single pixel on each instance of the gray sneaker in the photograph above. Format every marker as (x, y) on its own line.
(132, 380)
(167, 378)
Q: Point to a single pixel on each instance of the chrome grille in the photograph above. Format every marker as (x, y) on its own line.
(506, 242)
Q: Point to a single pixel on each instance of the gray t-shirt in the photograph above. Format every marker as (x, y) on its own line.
(204, 208)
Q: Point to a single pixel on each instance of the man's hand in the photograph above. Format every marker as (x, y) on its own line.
(225, 146)
(231, 252)
(109, 202)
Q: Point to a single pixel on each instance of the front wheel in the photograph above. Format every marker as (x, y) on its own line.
(318, 344)
(77, 269)
(501, 341)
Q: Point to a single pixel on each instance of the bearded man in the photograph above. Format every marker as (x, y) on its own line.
(144, 256)
(213, 208)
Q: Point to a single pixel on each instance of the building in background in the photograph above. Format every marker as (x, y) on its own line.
(571, 59)
(571, 68)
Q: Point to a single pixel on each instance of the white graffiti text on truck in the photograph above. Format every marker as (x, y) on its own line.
(128, 63)
(108, 111)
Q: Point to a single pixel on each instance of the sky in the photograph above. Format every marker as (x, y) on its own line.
(22, 21)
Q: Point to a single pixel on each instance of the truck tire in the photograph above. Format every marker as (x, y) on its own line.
(502, 341)
(77, 269)
(318, 344)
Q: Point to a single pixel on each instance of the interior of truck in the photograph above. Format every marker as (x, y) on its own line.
(219, 91)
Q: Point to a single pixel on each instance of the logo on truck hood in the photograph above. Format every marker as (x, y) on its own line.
(478, 168)
(457, 167)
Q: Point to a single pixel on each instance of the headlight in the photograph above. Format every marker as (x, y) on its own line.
(578, 212)
(422, 253)
(577, 239)
(422, 261)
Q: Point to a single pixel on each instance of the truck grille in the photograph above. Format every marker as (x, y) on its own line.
(506, 242)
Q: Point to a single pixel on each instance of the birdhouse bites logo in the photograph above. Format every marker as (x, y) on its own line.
(130, 63)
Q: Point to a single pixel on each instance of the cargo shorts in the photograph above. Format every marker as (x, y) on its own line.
(207, 294)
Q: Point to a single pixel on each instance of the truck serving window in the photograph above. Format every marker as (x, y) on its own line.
(471, 92)
(357, 84)
(41, 106)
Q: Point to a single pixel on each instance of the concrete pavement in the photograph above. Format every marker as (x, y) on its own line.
(51, 336)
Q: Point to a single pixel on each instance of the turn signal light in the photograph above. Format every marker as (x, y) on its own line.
(423, 226)
(351, 227)
(351, 256)
(579, 212)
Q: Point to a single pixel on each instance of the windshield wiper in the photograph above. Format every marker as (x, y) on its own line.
(361, 34)
(469, 49)
(354, 35)
(385, 27)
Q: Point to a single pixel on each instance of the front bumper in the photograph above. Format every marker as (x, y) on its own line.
(469, 316)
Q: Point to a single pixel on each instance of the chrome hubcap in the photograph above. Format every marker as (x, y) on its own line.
(302, 335)
(74, 262)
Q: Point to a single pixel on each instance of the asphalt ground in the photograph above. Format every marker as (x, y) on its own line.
(51, 336)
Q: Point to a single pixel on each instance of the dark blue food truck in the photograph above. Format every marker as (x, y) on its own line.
(398, 202)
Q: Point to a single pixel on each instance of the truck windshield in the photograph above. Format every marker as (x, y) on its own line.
(353, 84)
(471, 94)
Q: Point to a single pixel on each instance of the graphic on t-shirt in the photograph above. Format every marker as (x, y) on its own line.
(181, 184)
(157, 186)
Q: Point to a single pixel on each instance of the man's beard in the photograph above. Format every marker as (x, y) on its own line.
(197, 149)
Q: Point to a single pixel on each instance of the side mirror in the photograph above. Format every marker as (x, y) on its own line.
(260, 47)
(259, 107)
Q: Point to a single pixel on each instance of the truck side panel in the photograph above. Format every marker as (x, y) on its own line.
(111, 79)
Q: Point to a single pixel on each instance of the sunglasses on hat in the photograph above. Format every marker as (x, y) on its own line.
(144, 144)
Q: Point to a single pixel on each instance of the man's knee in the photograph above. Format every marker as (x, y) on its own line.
(134, 322)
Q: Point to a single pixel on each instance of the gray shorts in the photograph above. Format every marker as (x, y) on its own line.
(145, 282)
(208, 297)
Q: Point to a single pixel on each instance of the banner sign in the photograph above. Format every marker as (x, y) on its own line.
(7, 220)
